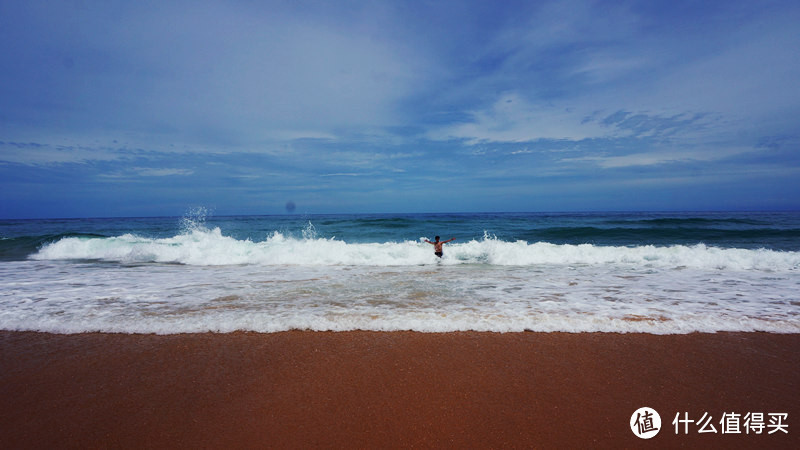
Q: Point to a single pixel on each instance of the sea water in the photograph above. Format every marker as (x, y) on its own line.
(615, 272)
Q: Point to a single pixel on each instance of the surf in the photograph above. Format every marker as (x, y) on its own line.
(201, 246)
(346, 272)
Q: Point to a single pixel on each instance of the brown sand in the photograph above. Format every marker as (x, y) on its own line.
(398, 389)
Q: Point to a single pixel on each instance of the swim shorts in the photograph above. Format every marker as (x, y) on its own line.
(439, 254)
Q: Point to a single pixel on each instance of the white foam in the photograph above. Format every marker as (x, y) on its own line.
(213, 282)
(69, 297)
(203, 247)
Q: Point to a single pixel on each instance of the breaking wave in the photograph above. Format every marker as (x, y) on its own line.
(199, 246)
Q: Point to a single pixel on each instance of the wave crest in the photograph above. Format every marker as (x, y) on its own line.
(209, 247)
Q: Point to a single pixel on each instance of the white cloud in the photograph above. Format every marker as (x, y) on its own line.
(127, 174)
(342, 174)
(575, 61)
(514, 119)
(658, 157)
(522, 152)
(298, 134)
(34, 153)
(754, 77)
(148, 172)
(604, 67)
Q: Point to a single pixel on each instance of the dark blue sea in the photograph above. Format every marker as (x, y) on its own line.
(622, 272)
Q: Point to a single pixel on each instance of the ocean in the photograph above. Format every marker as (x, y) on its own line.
(661, 273)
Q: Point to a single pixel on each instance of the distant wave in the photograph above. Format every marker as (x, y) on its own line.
(688, 221)
(377, 222)
(18, 248)
(683, 234)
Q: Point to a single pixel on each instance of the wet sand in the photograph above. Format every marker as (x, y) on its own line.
(301, 389)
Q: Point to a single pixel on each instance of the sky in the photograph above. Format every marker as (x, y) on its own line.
(152, 108)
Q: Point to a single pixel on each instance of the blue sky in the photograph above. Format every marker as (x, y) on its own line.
(119, 108)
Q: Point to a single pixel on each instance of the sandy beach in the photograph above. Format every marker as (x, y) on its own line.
(398, 389)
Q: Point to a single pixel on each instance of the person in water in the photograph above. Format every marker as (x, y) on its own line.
(437, 245)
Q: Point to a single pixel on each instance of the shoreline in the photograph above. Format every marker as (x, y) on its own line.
(399, 389)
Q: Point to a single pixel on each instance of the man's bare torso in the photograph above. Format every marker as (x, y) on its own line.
(437, 245)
